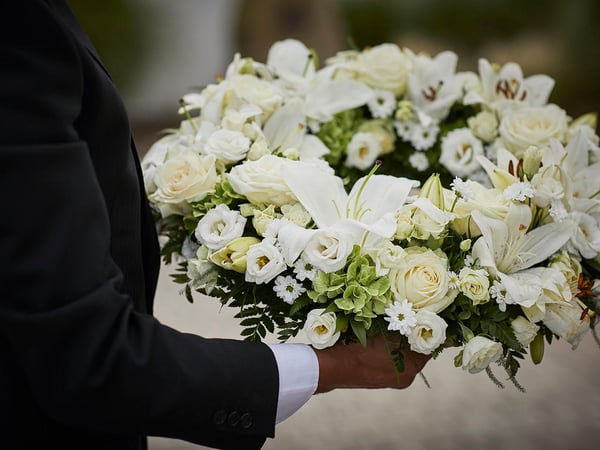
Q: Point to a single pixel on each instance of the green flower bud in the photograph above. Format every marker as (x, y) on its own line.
(536, 348)
(233, 255)
(432, 189)
(465, 245)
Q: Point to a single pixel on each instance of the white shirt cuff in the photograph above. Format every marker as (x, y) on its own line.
(298, 377)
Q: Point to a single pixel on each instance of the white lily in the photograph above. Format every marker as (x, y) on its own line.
(321, 93)
(503, 86)
(506, 250)
(367, 212)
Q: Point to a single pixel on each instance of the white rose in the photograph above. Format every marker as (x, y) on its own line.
(219, 226)
(460, 149)
(386, 255)
(484, 125)
(479, 353)
(363, 150)
(428, 334)
(524, 330)
(320, 328)
(155, 157)
(565, 320)
(226, 145)
(185, 177)
(261, 181)
(385, 66)
(475, 284)
(422, 279)
(253, 90)
(532, 125)
(328, 250)
(263, 263)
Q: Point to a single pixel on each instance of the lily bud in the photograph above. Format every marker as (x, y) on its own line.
(233, 255)
(536, 348)
(589, 119)
(531, 161)
(432, 189)
(465, 245)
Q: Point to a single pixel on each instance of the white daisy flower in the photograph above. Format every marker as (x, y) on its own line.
(404, 129)
(401, 316)
(452, 280)
(519, 191)
(305, 270)
(419, 161)
(382, 104)
(463, 189)
(424, 137)
(288, 289)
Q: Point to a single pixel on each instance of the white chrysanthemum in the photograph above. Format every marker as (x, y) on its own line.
(419, 161)
(463, 188)
(382, 104)
(401, 316)
(519, 191)
(305, 270)
(404, 129)
(558, 211)
(288, 289)
(452, 280)
(460, 149)
(423, 137)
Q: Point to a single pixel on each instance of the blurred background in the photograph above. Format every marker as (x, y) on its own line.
(157, 50)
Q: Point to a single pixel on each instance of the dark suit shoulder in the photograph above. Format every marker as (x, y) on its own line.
(40, 80)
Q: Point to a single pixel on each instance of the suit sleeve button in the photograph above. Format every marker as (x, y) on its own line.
(233, 419)
(246, 421)
(220, 417)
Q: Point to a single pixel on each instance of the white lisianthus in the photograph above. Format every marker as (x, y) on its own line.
(479, 353)
(155, 157)
(363, 150)
(219, 226)
(320, 328)
(227, 145)
(549, 185)
(328, 250)
(261, 181)
(569, 267)
(484, 126)
(566, 320)
(460, 149)
(185, 177)
(525, 331)
(384, 66)
(422, 278)
(428, 333)
(523, 127)
(386, 255)
(263, 263)
(474, 284)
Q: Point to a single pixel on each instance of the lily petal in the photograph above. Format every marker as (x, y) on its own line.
(293, 239)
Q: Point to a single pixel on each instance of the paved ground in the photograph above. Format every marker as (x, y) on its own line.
(560, 410)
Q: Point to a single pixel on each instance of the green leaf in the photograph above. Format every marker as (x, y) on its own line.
(360, 331)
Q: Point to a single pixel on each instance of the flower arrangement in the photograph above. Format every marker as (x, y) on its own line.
(384, 193)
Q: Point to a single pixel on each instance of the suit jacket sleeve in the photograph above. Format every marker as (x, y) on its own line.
(89, 359)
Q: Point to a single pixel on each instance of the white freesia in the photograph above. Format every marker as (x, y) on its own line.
(504, 86)
(342, 219)
(532, 125)
(507, 248)
(261, 181)
(184, 177)
(428, 333)
(524, 330)
(227, 145)
(264, 262)
(320, 328)
(422, 278)
(567, 321)
(219, 226)
(479, 353)
(460, 149)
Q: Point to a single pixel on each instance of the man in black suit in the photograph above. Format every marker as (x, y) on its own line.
(83, 364)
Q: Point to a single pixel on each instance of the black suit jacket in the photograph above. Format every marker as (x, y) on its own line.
(82, 362)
